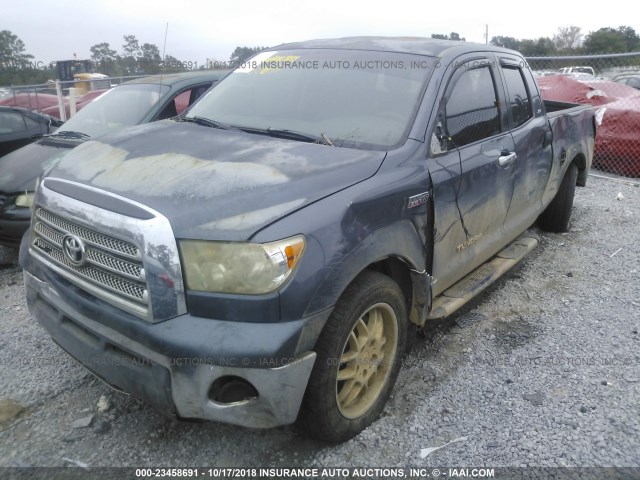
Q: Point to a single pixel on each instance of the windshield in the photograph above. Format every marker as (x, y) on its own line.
(354, 98)
(119, 107)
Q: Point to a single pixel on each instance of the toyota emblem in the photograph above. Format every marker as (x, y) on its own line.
(73, 249)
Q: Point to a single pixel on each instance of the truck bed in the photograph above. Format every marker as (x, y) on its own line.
(555, 108)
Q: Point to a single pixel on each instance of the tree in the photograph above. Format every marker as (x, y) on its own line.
(18, 67)
(150, 60)
(172, 65)
(631, 37)
(136, 59)
(105, 59)
(606, 40)
(101, 52)
(451, 36)
(542, 47)
(150, 52)
(240, 54)
(131, 47)
(12, 51)
(506, 42)
(131, 54)
(567, 39)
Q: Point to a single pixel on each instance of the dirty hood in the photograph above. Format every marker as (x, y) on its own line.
(211, 183)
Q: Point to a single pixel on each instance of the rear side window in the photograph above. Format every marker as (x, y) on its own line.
(180, 102)
(31, 123)
(519, 100)
(12, 122)
(472, 108)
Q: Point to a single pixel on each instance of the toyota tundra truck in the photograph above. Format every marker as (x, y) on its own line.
(267, 257)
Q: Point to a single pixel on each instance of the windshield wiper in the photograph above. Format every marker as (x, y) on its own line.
(207, 122)
(70, 134)
(327, 140)
(321, 139)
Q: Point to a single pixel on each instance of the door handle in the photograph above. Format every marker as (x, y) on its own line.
(506, 158)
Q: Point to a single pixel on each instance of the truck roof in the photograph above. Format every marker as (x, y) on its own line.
(174, 78)
(413, 45)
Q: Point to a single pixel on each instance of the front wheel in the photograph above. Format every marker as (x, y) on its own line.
(359, 354)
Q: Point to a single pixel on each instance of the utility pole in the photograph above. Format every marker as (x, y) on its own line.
(486, 34)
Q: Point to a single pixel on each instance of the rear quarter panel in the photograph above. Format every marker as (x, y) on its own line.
(573, 140)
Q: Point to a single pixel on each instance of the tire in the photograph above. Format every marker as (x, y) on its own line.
(372, 309)
(557, 215)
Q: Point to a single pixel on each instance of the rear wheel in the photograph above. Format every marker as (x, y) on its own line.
(359, 354)
(557, 215)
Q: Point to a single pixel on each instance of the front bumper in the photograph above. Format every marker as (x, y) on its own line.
(172, 364)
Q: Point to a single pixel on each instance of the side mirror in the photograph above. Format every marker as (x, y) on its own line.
(442, 137)
(439, 131)
(439, 140)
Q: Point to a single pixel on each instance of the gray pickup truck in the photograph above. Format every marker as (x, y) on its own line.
(268, 256)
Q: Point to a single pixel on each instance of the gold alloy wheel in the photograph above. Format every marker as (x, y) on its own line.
(367, 358)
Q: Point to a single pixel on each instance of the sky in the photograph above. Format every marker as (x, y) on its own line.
(199, 29)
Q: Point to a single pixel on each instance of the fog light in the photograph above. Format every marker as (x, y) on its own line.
(230, 389)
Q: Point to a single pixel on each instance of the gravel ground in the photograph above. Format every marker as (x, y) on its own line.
(541, 370)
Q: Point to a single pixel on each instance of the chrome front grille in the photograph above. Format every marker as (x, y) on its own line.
(116, 265)
(115, 245)
(112, 267)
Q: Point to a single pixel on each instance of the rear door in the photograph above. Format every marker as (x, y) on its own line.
(530, 129)
(471, 169)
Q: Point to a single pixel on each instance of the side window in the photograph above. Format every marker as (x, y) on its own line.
(12, 122)
(169, 111)
(519, 100)
(183, 100)
(197, 92)
(31, 123)
(472, 108)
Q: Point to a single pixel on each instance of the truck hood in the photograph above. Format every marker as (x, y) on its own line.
(20, 169)
(211, 183)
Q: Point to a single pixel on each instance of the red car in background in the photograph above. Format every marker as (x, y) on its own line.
(47, 103)
(617, 108)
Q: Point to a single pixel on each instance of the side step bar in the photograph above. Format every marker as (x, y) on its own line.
(474, 283)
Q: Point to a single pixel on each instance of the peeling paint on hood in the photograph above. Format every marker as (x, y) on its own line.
(211, 183)
(166, 174)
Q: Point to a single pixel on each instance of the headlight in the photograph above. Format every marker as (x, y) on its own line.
(25, 200)
(249, 268)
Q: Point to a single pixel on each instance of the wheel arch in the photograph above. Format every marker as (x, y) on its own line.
(412, 283)
(581, 162)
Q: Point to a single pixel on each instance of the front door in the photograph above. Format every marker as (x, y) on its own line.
(472, 172)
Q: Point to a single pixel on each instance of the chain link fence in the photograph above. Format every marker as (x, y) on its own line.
(611, 83)
(60, 99)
